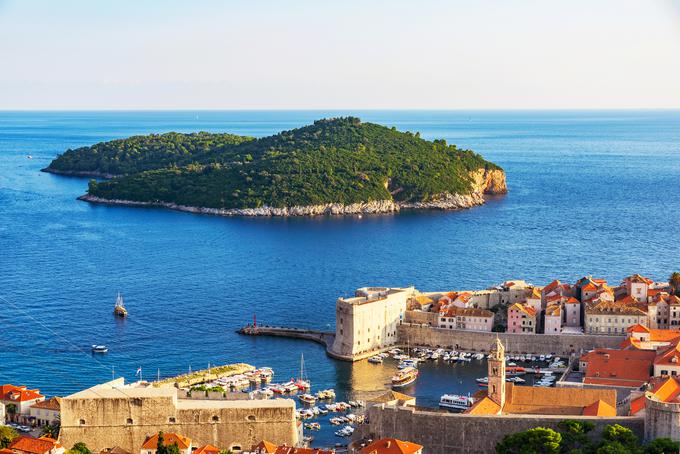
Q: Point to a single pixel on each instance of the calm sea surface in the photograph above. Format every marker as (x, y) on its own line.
(590, 193)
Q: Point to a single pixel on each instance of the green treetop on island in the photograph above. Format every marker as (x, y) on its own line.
(339, 160)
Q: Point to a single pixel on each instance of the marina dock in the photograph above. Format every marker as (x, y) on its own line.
(324, 338)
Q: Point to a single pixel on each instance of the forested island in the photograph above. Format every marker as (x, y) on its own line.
(334, 166)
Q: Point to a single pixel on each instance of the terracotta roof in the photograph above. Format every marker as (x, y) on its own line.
(553, 298)
(19, 393)
(572, 300)
(391, 446)
(670, 356)
(614, 308)
(114, 450)
(637, 404)
(628, 368)
(528, 310)
(168, 439)
(665, 390)
(637, 328)
(264, 447)
(535, 293)
(207, 449)
(422, 299)
(484, 406)
(455, 311)
(553, 401)
(550, 287)
(30, 445)
(553, 310)
(639, 278)
(53, 403)
(6, 451)
(599, 408)
(589, 287)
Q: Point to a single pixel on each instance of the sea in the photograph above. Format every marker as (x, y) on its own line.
(590, 193)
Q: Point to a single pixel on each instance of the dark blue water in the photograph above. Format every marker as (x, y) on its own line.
(590, 193)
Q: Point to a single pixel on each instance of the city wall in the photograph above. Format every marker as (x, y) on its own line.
(449, 433)
(126, 422)
(560, 344)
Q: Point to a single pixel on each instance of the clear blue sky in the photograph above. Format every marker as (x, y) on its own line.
(351, 54)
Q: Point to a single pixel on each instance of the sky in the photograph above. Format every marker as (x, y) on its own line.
(397, 54)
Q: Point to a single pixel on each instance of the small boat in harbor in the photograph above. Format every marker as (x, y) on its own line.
(100, 349)
(119, 308)
(514, 371)
(375, 359)
(307, 398)
(405, 377)
(302, 383)
(456, 401)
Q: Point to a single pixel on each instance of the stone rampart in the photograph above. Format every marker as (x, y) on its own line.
(124, 421)
(559, 344)
(449, 433)
(662, 420)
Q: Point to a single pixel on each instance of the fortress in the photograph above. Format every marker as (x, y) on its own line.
(116, 414)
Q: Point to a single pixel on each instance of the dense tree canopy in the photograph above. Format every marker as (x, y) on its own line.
(332, 161)
(7, 436)
(575, 437)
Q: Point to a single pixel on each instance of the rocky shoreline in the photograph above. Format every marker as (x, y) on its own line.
(484, 182)
(447, 202)
(78, 173)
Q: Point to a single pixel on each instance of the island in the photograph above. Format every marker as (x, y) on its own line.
(333, 166)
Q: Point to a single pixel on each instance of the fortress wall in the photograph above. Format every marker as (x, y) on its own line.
(560, 344)
(107, 425)
(662, 420)
(449, 433)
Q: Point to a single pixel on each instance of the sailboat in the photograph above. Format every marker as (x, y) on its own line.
(119, 308)
(302, 383)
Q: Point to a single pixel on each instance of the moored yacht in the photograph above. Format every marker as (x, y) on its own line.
(405, 377)
(456, 401)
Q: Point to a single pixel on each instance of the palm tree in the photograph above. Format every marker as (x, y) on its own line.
(674, 281)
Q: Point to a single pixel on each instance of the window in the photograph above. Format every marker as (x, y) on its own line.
(251, 418)
(82, 422)
(215, 418)
(172, 419)
(129, 421)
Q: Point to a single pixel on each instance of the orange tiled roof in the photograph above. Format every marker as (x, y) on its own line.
(391, 446)
(550, 299)
(535, 293)
(207, 449)
(637, 328)
(572, 300)
(665, 390)
(169, 438)
(53, 403)
(628, 368)
(484, 406)
(114, 450)
(553, 310)
(553, 401)
(599, 408)
(19, 393)
(30, 445)
(528, 310)
(550, 287)
(637, 404)
(670, 356)
(264, 447)
(638, 278)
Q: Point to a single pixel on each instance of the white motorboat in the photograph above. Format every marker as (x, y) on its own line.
(100, 349)
(456, 401)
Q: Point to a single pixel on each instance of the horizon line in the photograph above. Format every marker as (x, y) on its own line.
(371, 109)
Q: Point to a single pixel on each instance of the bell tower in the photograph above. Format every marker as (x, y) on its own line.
(496, 373)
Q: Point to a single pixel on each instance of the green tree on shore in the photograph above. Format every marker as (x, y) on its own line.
(674, 281)
(7, 436)
(538, 440)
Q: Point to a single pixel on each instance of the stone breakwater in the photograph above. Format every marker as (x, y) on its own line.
(483, 182)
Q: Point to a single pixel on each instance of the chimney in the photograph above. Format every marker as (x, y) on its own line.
(606, 357)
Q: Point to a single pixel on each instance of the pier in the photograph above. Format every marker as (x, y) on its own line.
(324, 338)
